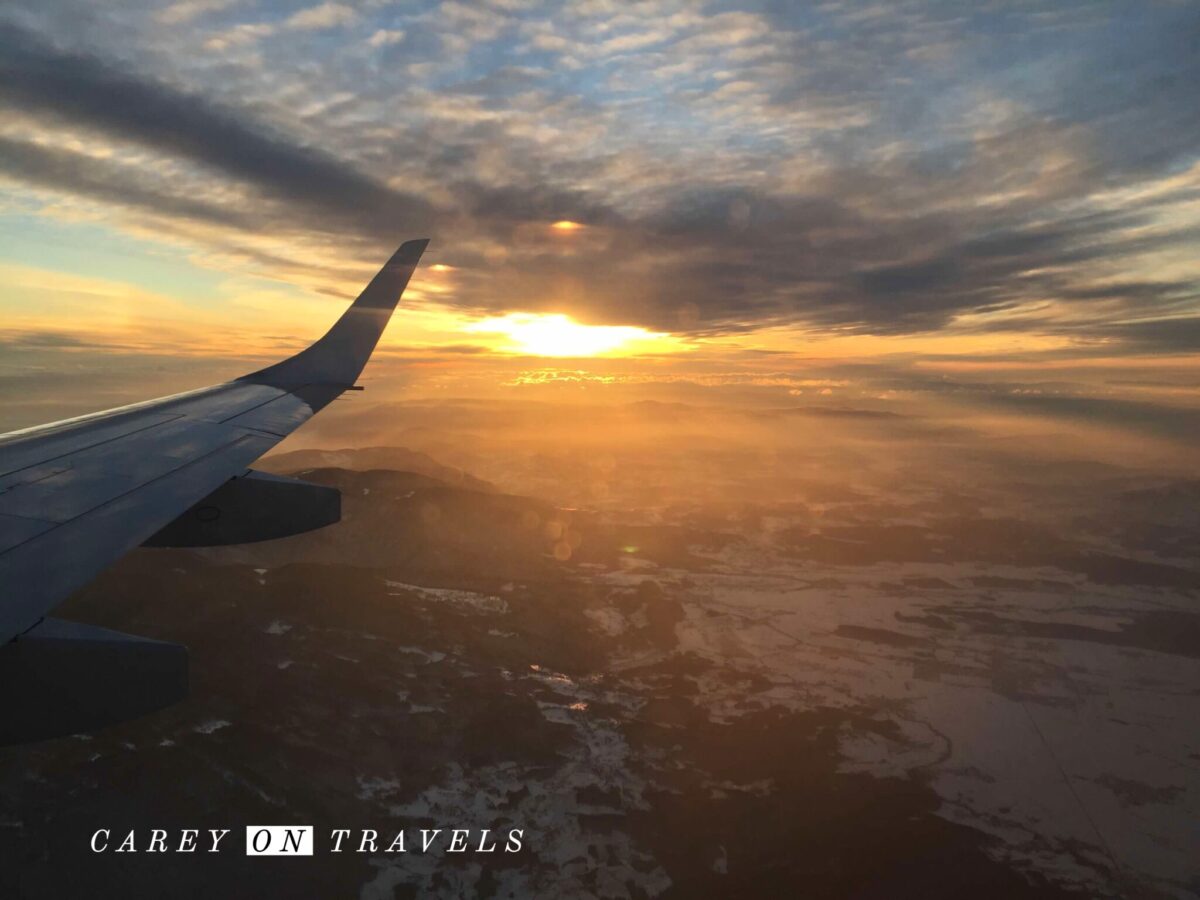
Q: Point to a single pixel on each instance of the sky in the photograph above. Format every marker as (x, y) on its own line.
(1001, 198)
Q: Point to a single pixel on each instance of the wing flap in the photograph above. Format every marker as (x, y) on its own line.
(76, 677)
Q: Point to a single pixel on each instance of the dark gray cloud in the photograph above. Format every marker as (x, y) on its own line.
(1180, 335)
(77, 173)
(82, 89)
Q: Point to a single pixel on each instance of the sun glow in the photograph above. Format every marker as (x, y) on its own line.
(566, 225)
(554, 334)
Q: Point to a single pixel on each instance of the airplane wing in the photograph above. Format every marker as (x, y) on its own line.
(77, 495)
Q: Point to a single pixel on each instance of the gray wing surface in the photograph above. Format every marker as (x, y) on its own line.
(76, 495)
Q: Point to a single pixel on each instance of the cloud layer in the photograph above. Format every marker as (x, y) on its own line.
(846, 168)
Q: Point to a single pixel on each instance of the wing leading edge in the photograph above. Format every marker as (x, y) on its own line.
(77, 495)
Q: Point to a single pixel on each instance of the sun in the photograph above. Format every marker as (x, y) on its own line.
(555, 334)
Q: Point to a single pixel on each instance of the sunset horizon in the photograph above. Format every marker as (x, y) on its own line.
(689, 175)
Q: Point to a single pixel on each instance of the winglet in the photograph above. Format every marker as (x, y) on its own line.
(339, 357)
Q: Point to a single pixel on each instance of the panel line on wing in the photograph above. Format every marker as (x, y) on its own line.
(248, 409)
(165, 420)
(240, 439)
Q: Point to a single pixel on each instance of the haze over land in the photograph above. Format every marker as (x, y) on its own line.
(693, 651)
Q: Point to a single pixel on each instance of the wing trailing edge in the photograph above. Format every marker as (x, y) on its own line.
(62, 678)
